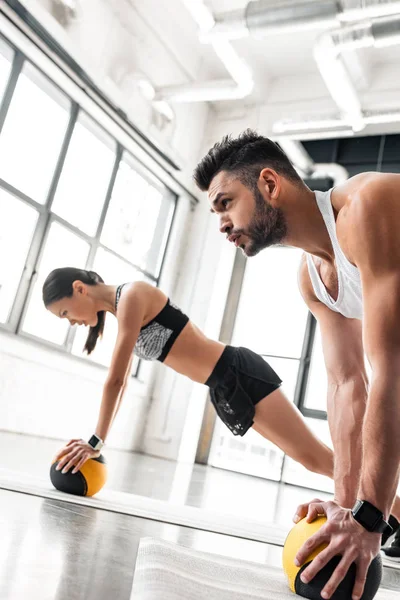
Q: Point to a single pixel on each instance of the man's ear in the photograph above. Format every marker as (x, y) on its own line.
(270, 183)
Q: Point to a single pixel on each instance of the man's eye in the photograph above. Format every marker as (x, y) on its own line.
(225, 202)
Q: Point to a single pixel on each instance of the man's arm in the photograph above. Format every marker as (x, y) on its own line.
(347, 389)
(381, 448)
(375, 216)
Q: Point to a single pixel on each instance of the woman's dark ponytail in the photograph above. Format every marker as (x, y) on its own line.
(58, 285)
(96, 331)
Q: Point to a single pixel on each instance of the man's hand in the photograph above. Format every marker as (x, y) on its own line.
(75, 454)
(345, 537)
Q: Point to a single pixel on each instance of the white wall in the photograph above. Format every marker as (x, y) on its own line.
(47, 393)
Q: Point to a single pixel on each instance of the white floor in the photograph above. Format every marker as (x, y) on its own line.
(51, 550)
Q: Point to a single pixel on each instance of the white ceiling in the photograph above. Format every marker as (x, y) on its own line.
(283, 66)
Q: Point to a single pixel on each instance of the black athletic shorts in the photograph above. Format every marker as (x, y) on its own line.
(240, 379)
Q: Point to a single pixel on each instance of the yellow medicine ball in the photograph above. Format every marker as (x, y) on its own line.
(295, 539)
(89, 480)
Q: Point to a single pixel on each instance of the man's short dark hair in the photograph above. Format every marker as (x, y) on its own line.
(244, 156)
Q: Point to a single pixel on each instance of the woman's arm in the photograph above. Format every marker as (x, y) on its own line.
(121, 393)
(131, 311)
(130, 316)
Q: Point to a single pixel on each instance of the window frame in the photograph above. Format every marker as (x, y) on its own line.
(14, 323)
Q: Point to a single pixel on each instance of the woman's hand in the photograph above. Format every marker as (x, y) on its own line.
(75, 454)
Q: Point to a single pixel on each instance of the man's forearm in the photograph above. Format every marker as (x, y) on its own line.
(381, 448)
(346, 409)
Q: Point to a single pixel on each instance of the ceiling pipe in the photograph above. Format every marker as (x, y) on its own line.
(327, 54)
(303, 163)
(241, 84)
(261, 18)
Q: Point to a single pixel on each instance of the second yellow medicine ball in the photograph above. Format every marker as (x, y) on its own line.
(295, 539)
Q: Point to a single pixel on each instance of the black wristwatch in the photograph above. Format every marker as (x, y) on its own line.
(370, 517)
(96, 442)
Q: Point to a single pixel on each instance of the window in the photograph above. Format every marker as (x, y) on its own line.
(82, 188)
(63, 248)
(271, 316)
(317, 382)
(70, 195)
(138, 219)
(33, 133)
(271, 320)
(17, 224)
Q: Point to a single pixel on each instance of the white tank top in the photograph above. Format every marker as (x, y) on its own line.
(349, 300)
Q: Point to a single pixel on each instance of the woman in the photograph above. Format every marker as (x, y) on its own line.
(244, 389)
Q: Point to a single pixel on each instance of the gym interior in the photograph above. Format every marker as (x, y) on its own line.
(106, 108)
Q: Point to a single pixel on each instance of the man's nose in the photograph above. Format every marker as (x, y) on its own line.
(225, 226)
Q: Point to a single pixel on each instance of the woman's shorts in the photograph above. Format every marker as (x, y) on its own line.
(240, 379)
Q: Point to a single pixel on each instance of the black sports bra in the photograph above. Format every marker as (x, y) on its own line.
(157, 337)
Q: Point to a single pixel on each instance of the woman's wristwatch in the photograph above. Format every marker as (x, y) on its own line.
(96, 442)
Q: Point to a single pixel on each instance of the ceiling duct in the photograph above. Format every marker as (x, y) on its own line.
(261, 18)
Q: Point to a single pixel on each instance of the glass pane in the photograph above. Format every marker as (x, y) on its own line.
(63, 248)
(17, 224)
(85, 177)
(296, 474)
(287, 370)
(317, 386)
(272, 315)
(6, 57)
(251, 454)
(32, 135)
(113, 271)
(138, 219)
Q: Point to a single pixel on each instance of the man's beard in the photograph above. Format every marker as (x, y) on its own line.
(267, 226)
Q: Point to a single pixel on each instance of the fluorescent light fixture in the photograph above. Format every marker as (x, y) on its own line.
(383, 117)
(307, 125)
(314, 135)
(210, 91)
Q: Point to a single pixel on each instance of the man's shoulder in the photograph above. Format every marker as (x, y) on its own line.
(370, 211)
(370, 192)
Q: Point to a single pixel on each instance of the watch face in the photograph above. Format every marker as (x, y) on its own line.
(368, 514)
(94, 440)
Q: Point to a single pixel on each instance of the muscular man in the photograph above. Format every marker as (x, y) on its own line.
(350, 279)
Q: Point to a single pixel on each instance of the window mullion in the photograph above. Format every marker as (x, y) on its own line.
(305, 360)
(29, 273)
(16, 69)
(63, 153)
(118, 157)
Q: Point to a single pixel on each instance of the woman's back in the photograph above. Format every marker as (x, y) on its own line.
(169, 336)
